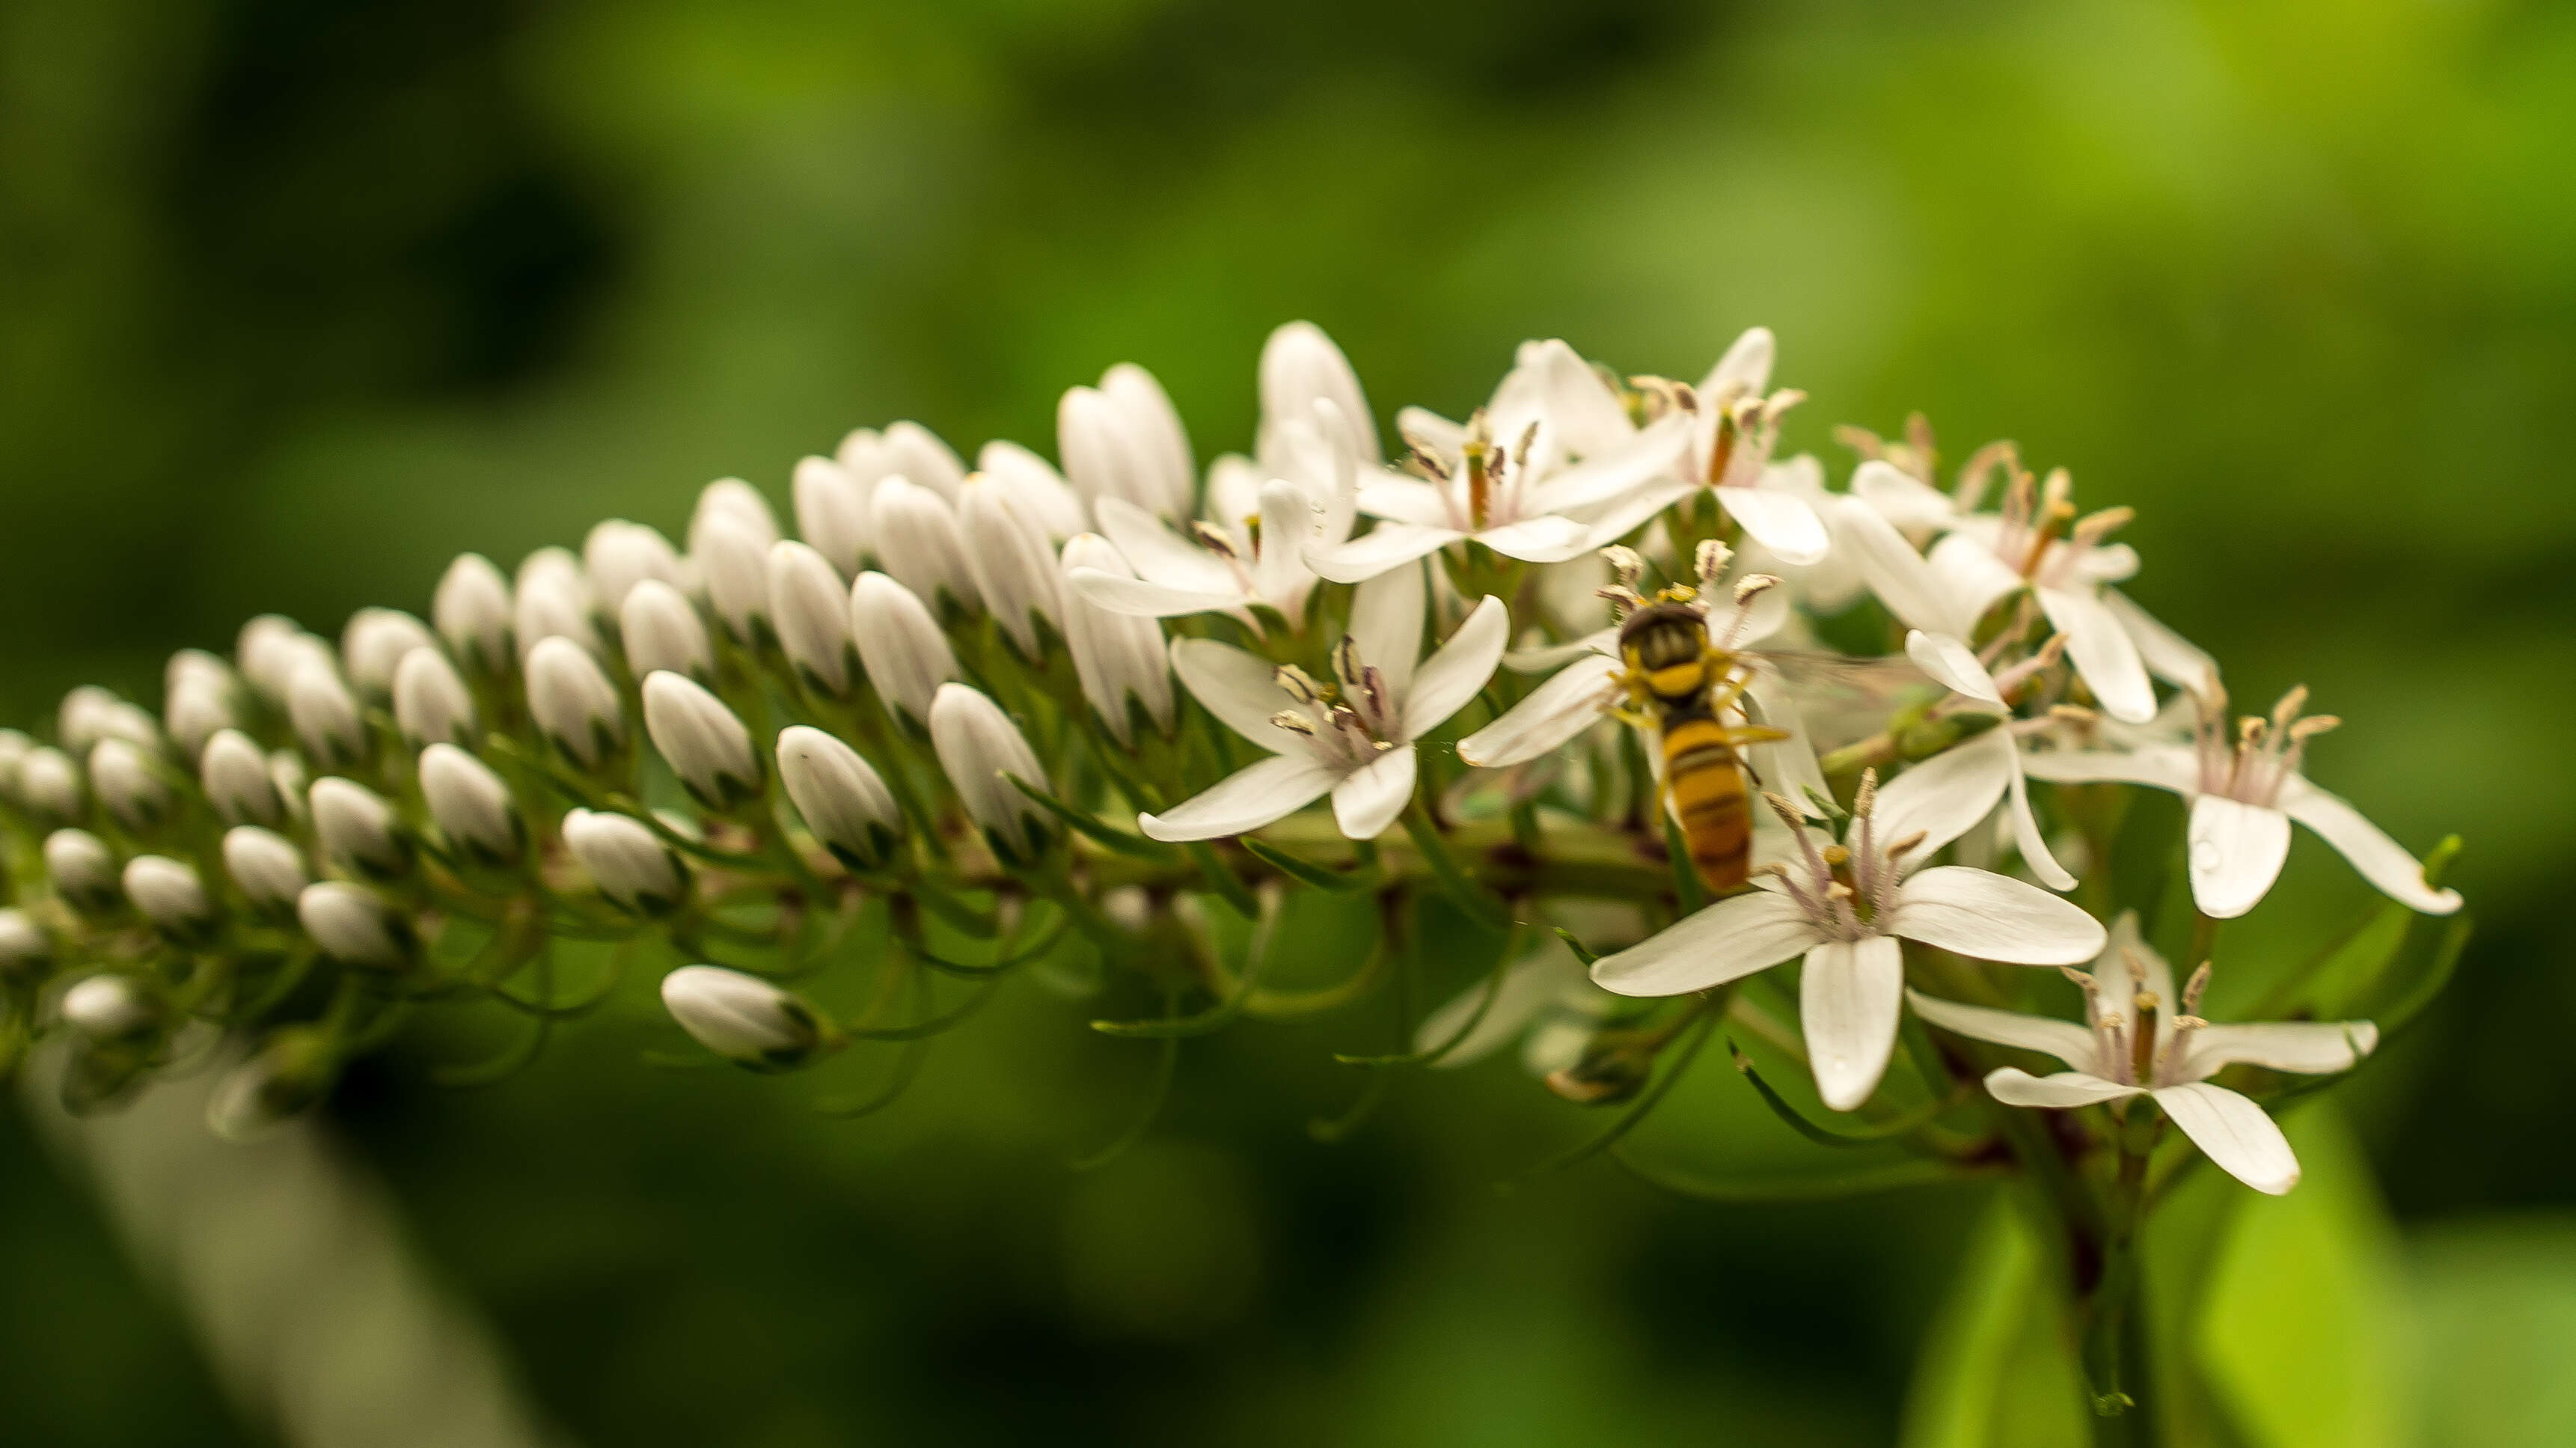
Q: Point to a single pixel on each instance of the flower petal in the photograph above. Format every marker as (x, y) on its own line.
(1159, 554)
(2236, 852)
(2014, 1086)
(1900, 497)
(1244, 800)
(1239, 689)
(2117, 980)
(1787, 765)
(1546, 538)
(1461, 667)
(1279, 571)
(1140, 598)
(2312, 1048)
(1388, 545)
(1607, 476)
(2245, 1143)
(2161, 766)
(1781, 522)
(1991, 917)
(1726, 941)
(1404, 500)
(1848, 1000)
(1952, 664)
(2168, 655)
(1554, 712)
(1969, 571)
(2027, 838)
(1637, 508)
(1942, 797)
(1746, 367)
(2101, 651)
(1366, 802)
(1386, 628)
(2065, 1040)
(1580, 405)
(2381, 860)
(1894, 571)
(1556, 656)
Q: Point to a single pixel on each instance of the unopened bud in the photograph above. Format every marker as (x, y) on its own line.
(923, 456)
(662, 631)
(374, 644)
(978, 746)
(553, 600)
(272, 648)
(626, 861)
(1036, 487)
(705, 745)
(733, 566)
(325, 715)
(128, 784)
(357, 831)
(167, 893)
(1011, 564)
(619, 555)
(832, 512)
(742, 1018)
(736, 502)
(918, 543)
(472, 610)
(83, 870)
(90, 714)
(25, 948)
(266, 867)
(471, 805)
(572, 701)
(109, 1008)
(431, 703)
(1118, 657)
(49, 785)
(811, 611)
(840, 796)
(906, 655)
(196, 710)
(287, 775)
(354, 926)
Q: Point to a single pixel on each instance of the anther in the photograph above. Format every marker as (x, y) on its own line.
(1346, 663)
(1898, 850)
(2192, 989)
(1867, 796)
(1754, 586)
(1712, 558)
(2289, 707)
(1297, 684)
(2094, 527)
(1786, 811)
(2313, 726)
(1626, 564)
(1212, 538)
(1294, 722)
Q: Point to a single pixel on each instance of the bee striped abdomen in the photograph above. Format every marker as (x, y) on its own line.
(1705, 784)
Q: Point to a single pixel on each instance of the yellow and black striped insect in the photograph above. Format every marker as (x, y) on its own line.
(1681, 690)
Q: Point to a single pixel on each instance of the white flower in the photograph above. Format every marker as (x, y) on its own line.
(2245, 788)
(1844, 909)
(918, 544)
(472, 806)
(50, 784)
(737, 502)
(573, 702)
(355, 829)
(981, 751)
(1988, 766)
(374, 642)
(1124, 440)
(353, 926)
(661, 630)
(1251, 550)
(1033, 483)
(472, 610)
(1117, 656)
(265, 866)
(1354, 738)
(839, 794)
(626, 861)
(1300, 367)
(906, 656)
(553, 600)
(83, 870)
(733, 565)
(431, 704)
(705, 745)
(2135, 1042)
(127, 784)
(1012, 564)
(741, 1017)
(811, 611)
(618, 555)
(910, 450)
(832, 512)
(325, 714)
(108, 1008)
(168, 894)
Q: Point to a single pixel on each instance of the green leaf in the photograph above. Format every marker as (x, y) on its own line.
(1304, 872)
(1997, 1368)
(1122, 841)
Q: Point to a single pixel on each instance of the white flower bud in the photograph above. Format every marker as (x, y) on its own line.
(841, 797)
(357, 830)
(706, 746)
(109, 1008)
(272, 648)
(266, 867)
(862, 455)
(553, 601)
(49, 784)
(572, 701)
(353, 926)
(1012, 564)
(662, 631)
(374, 644)
(811, 612)
(908, 658)
(977, 746)
(628, 863)
(15, 746)
(1300, 366)
(287, 776)
(196, 709)
(918, 543)
(734, 499)
(619, 555)
(83, 870)
(1116, 656)
(235, 775)
(196, 668)
(1123, 439)
(431, 703)
(24, 945)
(128, 785)
(915, 452)
(168, 894)
(742, 1018)
(472, 609)
(325, 714)
(90, 714)
(472, 806)
(832, 512)
(733, 564)
(1035, 484)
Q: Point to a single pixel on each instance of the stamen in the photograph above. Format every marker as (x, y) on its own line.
(1426, 462)
(1294, 722)
(1970, 490)
(1297, 684)
(2288, 709)
(1521, 452)
(1346, 663)
(2192, 989)
(2312, 726)
(1623, 599)
(1212, 538)
(1626, 564)
(1898, 850)
(2095, 527)
(1754, 586)
(1867, 795)
(1711, 558)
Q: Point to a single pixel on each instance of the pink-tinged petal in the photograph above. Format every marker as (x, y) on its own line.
(1543, 539)
(1655, 452)
(1637, 509)
(1942, 797)
(2313, 1048)
(1365, 803)
(2381, 860)
(1895, 572)
(1386, 626)
(1388, 545)
(1159, 554)
(2168, 655)
(2027, 837)
(1456, 673)
(1726, 941)
(1245, 800)
(1992, 917)
(1971, 574)
(1746, 367)
(2234, 1132)
(1952, 665)
(1404, 500)
(2065, 1040)
(1848, 1000)
(1781, 522)
(1577, 402)
(1553, 713)
(1900, 497)
(2160, 766)
(2064, 1091)
(1138, 598)
(2101, 651)
(2235, 851)
(1239, 689)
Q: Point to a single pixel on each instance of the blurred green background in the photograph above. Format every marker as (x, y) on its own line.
(298, 299)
